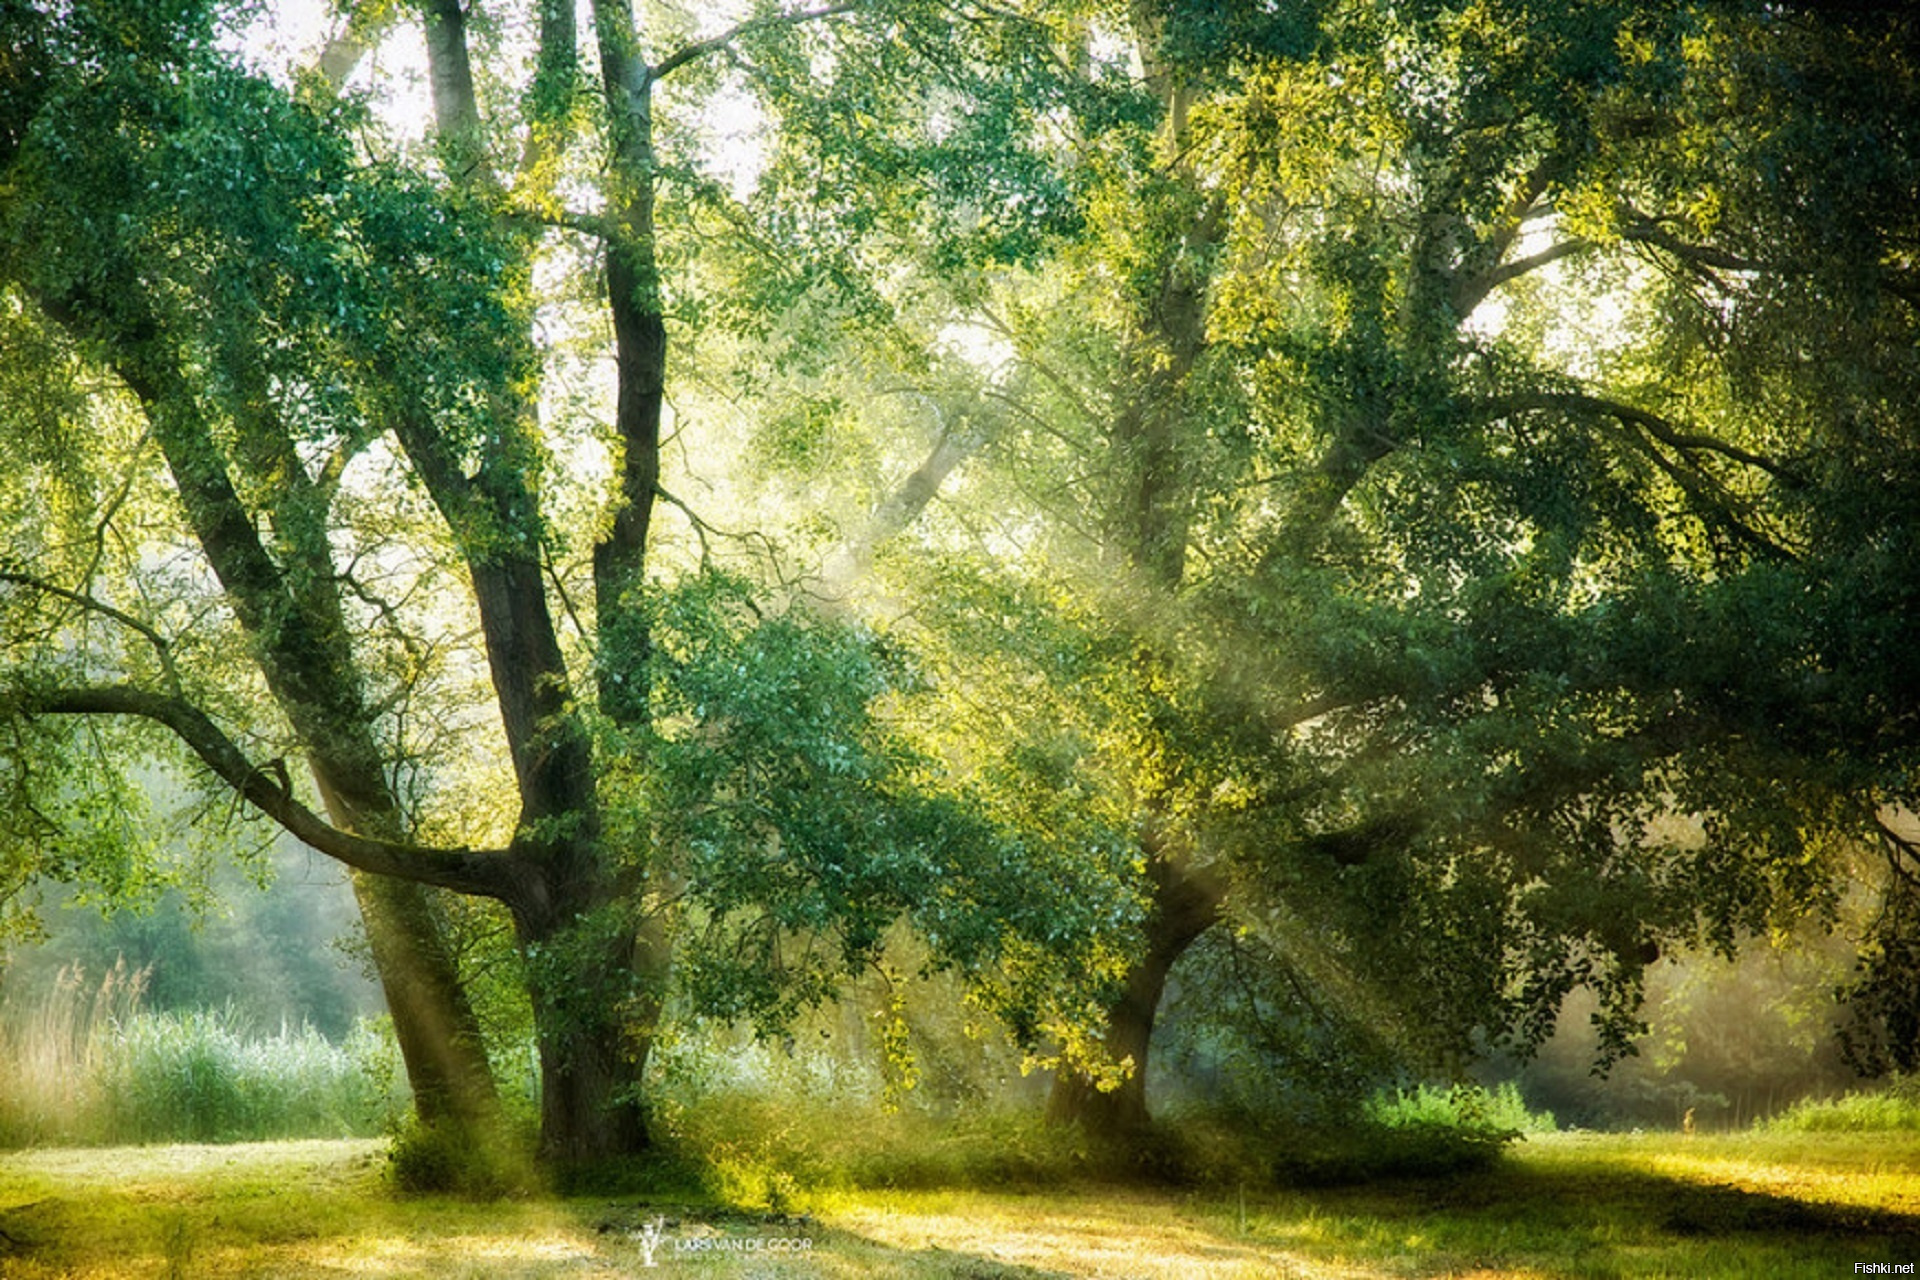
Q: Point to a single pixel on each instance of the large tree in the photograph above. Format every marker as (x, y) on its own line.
(330, 348)
(1432, 400)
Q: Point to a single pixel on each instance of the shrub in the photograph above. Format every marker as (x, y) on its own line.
(1499, 1112)
(448, 1159)
(1896, 1107)
(1416, 1132)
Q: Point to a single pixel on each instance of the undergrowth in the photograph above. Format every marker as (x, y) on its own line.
(86, 1065)
(772, 1131)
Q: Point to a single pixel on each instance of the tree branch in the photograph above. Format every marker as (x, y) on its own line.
(714, 44)
(161, 645)
(348, 46)
(1469, 292)
(1897, 846)
(1483, 272)
(1642, 430)
(1643, 229)
(1667, 432)
(266, 788)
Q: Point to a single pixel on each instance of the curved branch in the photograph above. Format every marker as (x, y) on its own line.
(1470, 291)
(1646, 431)
(1643, 229)
(1897, 845)
(162, 647)
(485, 873)
(714, 44)
(1662, 429)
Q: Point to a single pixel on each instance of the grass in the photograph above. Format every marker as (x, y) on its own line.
(1561, 1205)
(1893, 1108)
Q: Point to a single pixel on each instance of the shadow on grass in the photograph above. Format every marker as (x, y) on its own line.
(1674, 1205)
(1591, 1221)
(97, 1233)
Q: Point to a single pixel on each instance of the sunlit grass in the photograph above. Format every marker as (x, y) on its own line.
(1564, 1205)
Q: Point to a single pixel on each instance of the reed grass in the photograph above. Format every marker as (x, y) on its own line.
(85, 1064)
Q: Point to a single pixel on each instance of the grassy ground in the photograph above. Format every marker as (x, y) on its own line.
(1773, 1206)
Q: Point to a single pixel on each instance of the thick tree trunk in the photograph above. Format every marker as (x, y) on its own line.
(1185, 905)
(592, 1064)
(594, 981)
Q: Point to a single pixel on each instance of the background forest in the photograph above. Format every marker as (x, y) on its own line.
(1180, 568)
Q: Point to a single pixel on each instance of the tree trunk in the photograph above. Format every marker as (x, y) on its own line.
(592, 1064)
(305, 652)
(1151, 517)
(1185, 905)
(439, 1034)
(594, 980)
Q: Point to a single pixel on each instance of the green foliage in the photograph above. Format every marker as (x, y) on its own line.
(1729, 1041)
(774, 1126)
(1439, 444)
(1495, 1115)
(1423, 1131)
(424, 1159)
(805, 827)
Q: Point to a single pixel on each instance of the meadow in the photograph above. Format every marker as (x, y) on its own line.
(1772, 1205)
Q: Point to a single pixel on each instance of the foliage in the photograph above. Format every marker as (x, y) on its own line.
(806, 827)
(1441, 616)
(1728, 1042)
(278, 951)
(1498, 1114)
(1441, 507)
(1258, 1033)
(441, 1159)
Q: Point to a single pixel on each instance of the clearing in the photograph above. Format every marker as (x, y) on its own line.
(1578, 1205)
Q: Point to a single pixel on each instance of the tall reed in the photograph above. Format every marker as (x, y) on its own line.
(50, 1054)
(85, 1064)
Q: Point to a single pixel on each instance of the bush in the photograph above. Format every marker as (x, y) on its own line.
(1419, 1132)
(1896, 1107)
(1498, 1113)
(448, 1159)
